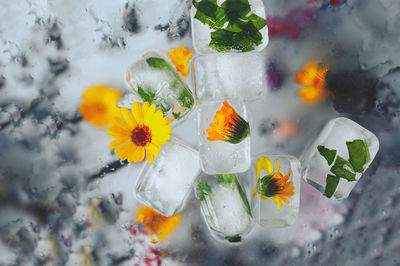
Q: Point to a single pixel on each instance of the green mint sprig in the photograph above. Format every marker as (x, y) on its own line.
(233, 27)
(202, 189)
(358, 156)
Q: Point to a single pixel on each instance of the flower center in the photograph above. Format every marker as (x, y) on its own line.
(141, 135)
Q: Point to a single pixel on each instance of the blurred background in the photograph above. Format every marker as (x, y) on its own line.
(66, 199)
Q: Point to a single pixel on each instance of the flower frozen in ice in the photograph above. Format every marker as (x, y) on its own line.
(180, 58)
(156, 224)
(272, 184)
(313, 77)
(100, 105)
(141, 131)
(228, 126)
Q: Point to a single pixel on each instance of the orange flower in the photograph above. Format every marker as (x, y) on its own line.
(273, 185)
(156, 224)
(228, 126)
(142, 130)
(314, 78)
(100, 105)
(180, 58)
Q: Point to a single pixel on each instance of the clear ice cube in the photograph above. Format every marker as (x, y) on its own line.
(265, 211)
(334, 136)
(224, 206)
(165, 184)
(220, 157)
(201, 33)
(228, 76)
(155, 80)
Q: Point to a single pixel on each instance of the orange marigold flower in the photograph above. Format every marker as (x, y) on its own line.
(142, 130)
(156, 224)
(180, 58)
(228, 126)
(273, 185)
(100, 105)
(314, 78)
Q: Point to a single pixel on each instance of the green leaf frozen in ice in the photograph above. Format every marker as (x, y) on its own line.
(202, 189)
(331, 185)
(342, 168)
(328, 154)
(358, 154)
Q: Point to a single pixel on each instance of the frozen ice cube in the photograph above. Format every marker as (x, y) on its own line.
(155, 80)
(334, 135)
(220, 157)
(165, 184)
(265, 210)
(224, 206)
(229, 76)
(201, 33)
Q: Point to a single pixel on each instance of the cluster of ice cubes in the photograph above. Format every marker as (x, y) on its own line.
(236, 78)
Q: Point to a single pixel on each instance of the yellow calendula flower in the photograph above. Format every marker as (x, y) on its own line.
(100, 105)
(156, 224)
(180, 58)
(272, 184)
(313, 77)
(141, 132)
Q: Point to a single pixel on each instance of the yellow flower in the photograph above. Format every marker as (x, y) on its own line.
(314, 78)
(273, 185)
(228, 126)
(141, 131)
(100, 105)
(180, 58)
(156, 224)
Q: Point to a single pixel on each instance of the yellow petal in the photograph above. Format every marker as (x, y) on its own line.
(137, 113)
(148, 116)
(121, 123)
(263, 163)
(118, 142)
(278, 202)
(123, 151)
(154, 149)
(149, 156)
(130, 121)
(138, 155)
(116, 131)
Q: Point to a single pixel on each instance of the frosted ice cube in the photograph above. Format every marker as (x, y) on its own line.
(201, 33)
(155, 80)
(334, 136)
(229, 76)
(165, 184)
(265, 211)
(224, 205)
(220, 157)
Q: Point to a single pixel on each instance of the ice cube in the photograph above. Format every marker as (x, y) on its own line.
(265, 210)
(224, 206)
(201, 33)
(334, 135)
(229, 76)
(155, 80)
(220, 157)
(165, 184)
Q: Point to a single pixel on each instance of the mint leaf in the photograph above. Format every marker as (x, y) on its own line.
(176, 115)
(257, 21)
(358, 154)
(226, 178)
(202, 189)
(234, 239)
(221, 40)
(208, 12)
(236, 9)
(147, 96)
(331, 185)
(328, 154)
(343, 169)
(243, 196)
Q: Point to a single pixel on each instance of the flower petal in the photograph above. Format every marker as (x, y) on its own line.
(278, 201)
(137, 113)
(116, 131)
(118, 142)
(263, 163)
(130, 121)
